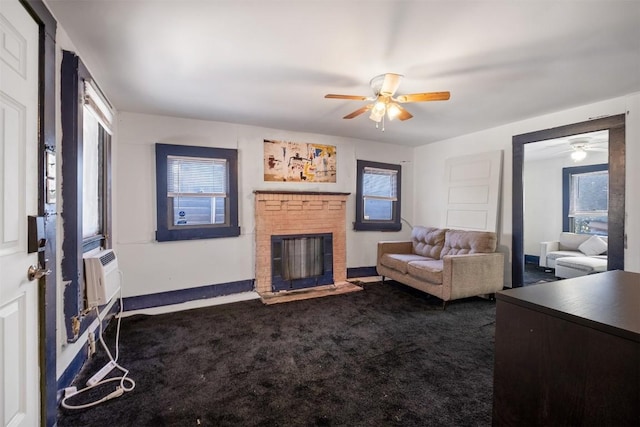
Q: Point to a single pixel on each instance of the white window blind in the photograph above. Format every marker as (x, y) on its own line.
(380, 183)
(96, 104)
(196, 177)
(91, 194)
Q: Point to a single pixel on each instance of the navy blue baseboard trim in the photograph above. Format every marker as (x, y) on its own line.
(69, 374)
(532, 259)
(74, 368)
(184, 295)
(361, 272)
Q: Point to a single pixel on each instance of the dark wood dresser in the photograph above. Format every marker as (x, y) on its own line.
(568, 352)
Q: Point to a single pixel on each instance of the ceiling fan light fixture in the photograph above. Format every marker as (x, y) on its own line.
(379, 107)
(384, 87)
(393, 111)
(378, 110)
(578, 154)
(376, 116)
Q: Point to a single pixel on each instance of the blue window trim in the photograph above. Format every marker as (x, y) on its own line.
(566, 182)
(73, 74)
(360, 223)
(163, 232)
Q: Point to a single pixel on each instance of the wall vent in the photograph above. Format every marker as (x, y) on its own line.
(102, 277)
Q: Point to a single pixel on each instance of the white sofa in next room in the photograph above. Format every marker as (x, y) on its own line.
(574, 254)
(572, 244)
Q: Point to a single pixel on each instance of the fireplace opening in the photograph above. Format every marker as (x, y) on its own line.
(301, 261)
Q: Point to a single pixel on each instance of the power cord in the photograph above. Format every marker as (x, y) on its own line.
(126, 384)
(407, 222)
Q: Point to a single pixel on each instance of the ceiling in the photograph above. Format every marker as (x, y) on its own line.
(269, 63)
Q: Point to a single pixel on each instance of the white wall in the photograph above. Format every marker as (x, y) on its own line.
(429, 177)
(150, 267)
(543, 197)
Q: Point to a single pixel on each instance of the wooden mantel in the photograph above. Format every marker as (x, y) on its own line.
(306, 193)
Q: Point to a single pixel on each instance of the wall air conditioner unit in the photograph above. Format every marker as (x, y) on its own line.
(102, 277)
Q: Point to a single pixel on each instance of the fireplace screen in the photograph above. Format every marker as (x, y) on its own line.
(301, 261)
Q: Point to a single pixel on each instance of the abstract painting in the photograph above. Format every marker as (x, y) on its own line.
(299, 162)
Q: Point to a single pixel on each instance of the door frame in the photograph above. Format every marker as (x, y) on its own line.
(616, 126)
(47, 297)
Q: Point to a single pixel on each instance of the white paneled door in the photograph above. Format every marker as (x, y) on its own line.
(473, 191)
(19, 372)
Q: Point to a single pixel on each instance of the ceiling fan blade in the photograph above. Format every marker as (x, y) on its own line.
(404, 114)
(353, 97)
(358, 112)
(421, 97)
(390, 84)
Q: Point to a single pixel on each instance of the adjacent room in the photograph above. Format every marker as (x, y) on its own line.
(288, 212)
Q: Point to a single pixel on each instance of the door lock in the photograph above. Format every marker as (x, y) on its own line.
(36, 273)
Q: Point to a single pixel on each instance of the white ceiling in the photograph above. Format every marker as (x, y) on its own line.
(269, 63)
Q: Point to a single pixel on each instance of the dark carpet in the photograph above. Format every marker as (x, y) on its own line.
(535, 274)
(386, 356)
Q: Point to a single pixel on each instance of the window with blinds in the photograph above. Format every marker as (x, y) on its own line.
(379, 193)
(197, 189)
(197, 192)
(378, 196)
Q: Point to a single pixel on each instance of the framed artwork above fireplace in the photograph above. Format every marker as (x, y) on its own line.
(286, 161)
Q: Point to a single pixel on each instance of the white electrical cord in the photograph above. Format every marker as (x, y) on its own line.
(121, 388)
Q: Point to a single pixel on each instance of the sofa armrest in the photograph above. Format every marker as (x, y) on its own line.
(472, 274)
(545, 248)
(393, 247)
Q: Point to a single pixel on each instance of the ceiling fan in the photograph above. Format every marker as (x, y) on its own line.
(384, 88)
(580, 145)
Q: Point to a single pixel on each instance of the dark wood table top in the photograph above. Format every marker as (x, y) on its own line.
(608, 301)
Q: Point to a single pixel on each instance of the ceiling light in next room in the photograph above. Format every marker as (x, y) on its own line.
(578, 154)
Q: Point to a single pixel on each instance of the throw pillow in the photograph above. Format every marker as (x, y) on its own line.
(594, 245)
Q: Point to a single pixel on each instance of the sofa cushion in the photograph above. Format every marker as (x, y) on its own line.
(571, 241)
(594, 245)
(399, 261)
(585, 264)
(552, 256)
(431, 271)
(428, 241)
(460, 242)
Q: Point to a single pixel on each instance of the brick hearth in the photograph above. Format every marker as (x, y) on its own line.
(283, 213)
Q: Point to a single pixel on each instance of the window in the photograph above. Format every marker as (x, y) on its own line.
(378, 196)
(586, 199)
(96, 146)
(86, 118)
(197, 192)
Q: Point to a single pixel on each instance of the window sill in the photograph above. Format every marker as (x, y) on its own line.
(196, 233)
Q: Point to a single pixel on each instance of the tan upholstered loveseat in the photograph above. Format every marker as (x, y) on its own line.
(446, 263)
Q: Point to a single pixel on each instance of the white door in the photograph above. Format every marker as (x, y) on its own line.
(19, 372)
(473, 191)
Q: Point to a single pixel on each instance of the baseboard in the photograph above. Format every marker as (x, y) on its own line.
(361, 272)
(190, 305)
(185, 295)
(211, 291)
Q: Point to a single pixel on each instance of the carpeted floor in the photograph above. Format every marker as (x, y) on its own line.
(386, 356)
(534, 274)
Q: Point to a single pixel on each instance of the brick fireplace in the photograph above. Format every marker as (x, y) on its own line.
(282, 213)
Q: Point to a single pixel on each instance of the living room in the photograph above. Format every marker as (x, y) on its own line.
(157, 274)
